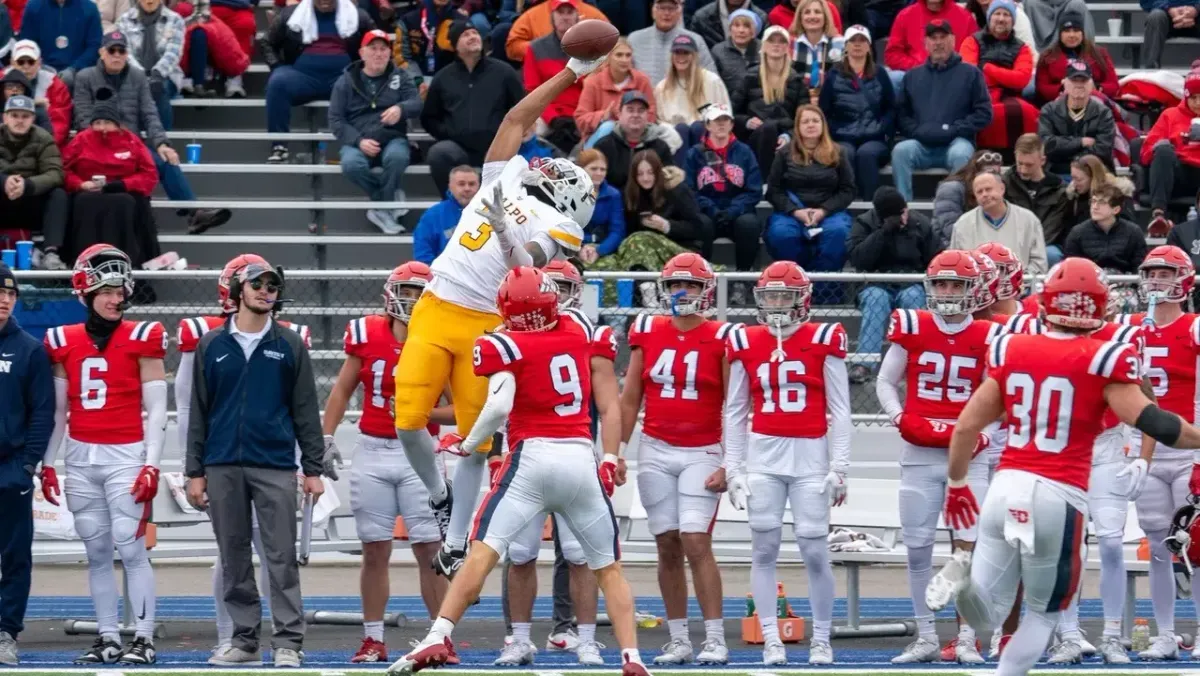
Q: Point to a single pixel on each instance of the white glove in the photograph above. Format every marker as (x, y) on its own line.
(1136, 471)
(493, 211)
(835, 488)
(332, 458)
(581, 67)
(739, 491)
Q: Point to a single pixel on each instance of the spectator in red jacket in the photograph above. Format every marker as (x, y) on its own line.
(1073, 44)
(49, 92)
(544, 59)
(1172, 152)
(906, 45)
(1007, 65)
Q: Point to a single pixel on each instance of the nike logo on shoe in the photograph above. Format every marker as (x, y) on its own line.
(558, 644)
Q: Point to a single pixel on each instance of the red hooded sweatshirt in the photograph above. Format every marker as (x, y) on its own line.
(1173, 125)
(117, 156)
(906, 45)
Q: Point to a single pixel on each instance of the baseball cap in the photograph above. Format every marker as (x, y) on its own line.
(255, 270)
(19, 103)
(1191, 85)
(938, 26)
(668, 2)
(114, 38)
(1078, 69)
(373, 35)
(634, 96)
(716, 111)
(26, 48)
(555, 4)
(856, 31)
(684, 43)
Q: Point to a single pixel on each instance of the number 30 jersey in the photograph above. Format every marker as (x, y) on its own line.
(469, 270)
(554, 380)
(683, 379)
(104, 388)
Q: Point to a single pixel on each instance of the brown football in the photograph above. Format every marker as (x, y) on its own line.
(590, 39)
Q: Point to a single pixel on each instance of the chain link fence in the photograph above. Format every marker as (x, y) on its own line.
(325, 300)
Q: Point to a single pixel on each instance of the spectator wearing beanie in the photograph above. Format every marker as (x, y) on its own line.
(604, 233)
(1007, 66)
(31, 176)
(1046, 15)
(600, 101)
(439, 221)
(544, 59)
(1073, 45)
(711, 22)
(47, 90)
(908, 44)
(1166, 19)
(536, 22)
(939, 130)
(632, 134)
(1109, 239)
(810, 186)
(14, 83)
(738, 53)
(310, 44)
(652, 45)
(996, 220)
(724, 174)
(1172, 152)
(1028, 185)
(888, 239)
(860, 105)
(464, 105)
(687, 88)
(67, 31)
(765, 102)
(1076, 123)
(1021, 26)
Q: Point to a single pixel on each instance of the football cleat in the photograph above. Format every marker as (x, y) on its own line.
(140, 651)
(634, 669)
(675, 652)
(774, 654)
(441, 510)
(564, 641)
(951, 579)
(713, 652)
(430, 653)
(820, 652)
(967, 653)
(998, 642)
(370, 651)
(516, 654)
(1113, 651)
(588, 653)
(1161, 648)
(103, 651)
(1067, 652)
(448, 561)
(919, 650)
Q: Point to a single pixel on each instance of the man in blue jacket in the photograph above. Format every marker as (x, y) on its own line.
(67, 31)
(26, 420)
(439, 221)
(944, 103)
(253, 400)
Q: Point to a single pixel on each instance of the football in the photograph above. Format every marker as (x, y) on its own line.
(590, 39)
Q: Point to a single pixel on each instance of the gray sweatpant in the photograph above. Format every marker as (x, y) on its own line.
(232, 492)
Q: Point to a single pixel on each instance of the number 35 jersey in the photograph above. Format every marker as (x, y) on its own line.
(1171, 357)
(104, 388)
(469, 270)
(554, 380)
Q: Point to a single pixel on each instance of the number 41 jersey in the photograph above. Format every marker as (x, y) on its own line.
(943, 368)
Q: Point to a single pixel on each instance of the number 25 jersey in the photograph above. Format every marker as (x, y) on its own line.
(943, 368)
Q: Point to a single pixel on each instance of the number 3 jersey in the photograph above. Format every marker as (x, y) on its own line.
(553, 375)
(683, 379)
(104, 387)
(790, 397)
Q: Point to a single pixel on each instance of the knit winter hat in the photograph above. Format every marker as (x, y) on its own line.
(888, 202)
(7, 279)
(1006, 5)
(747, 14)
(456, 31)
(106, 107)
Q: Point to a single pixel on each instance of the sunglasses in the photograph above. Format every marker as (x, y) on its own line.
(116, 50)
(25, 62)
(989, 158)
(258, 284)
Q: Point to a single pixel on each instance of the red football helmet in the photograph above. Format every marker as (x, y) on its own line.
(989, 280)
(1075, 294)
(952, 265)
(231, 268)
(102, 265)
(1012, 273)
(687, 267)
(1184, 538)
(528, 300)
(413, 275)
(1173, 288)
(783, 294)
(569, 281)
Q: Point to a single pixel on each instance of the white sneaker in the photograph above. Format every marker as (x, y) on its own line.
(8, 650)
(234, 88)
(400, 196)
(1067, 652)
(820, 652)
(1113, 651)
(1161, 648)
(774, 654)
(994, 646)
(675, 652)
(288, 658)
(229, 656)
(382, 219)
(951, 579)
(965, 652)
(52, 261)
(563, 641)
(516, 654)
(919, 650)
(1085, 647)
(588, 653)
(713, 652)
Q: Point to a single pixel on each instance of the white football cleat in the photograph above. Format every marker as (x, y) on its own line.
(919, 650)
(1161, 648)
(516, 654)
(588, 653)
(774, 654)
(563, 641)
(1067, 652)
(951, 579)
(820, 652)
(675, 652)
(713, 652)
(1085, 647)
(965, 652)
(1113, 651)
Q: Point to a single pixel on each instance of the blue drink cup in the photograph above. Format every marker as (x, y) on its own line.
(24, 255)
(625, 292)
(9, 256)
(193, 153)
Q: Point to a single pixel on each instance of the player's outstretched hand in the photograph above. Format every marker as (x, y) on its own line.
(608, 474)
(493, 210)
(961, 507)
(739, 491)
(50, 488)
(332, 460)
(716, 481)
(452, 443)
(197, 495)
(1136, 471)
(145, 487)
(582, 68)
(835, 487)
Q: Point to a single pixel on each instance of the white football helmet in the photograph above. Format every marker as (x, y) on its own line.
(568, 187)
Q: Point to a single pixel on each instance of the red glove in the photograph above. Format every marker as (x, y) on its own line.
(608, 474)
(981, 444)
(495, 462)
(1193, 482)
(961, 508)
(452, 443)
(145, 487)
(50, 488)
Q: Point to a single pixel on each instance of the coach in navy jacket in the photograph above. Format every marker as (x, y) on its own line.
(26, 420)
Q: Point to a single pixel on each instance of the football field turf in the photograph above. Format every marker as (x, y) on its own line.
(1150, 670)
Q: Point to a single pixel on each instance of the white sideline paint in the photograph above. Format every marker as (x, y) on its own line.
(1181, 669)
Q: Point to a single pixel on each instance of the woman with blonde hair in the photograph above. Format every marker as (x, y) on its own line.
(810, 187)
(817, 44)
(764, 105)
(687, 89)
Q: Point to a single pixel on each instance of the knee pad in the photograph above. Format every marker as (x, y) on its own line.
(93, 524)
(918, 516)
(814, 551)
(920, 559)
(133, 554)
(659, 492)
(698, 513)
(571, 549)
(1112, 553)
(99, 549)
(1108, 518)
(525, 546)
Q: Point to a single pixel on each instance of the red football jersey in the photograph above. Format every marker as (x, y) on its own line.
(604, 342)
(1029, 305)
(1053, 391)
(104, 388)
(788, 396)
(1129, 335)
(192, 329)
(372, 341)
(682, 373)
(1025, 323)
(554, 380)
(943, 369)
(1172, 355)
